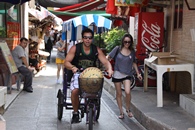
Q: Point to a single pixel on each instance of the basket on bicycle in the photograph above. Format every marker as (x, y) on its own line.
(91, 82)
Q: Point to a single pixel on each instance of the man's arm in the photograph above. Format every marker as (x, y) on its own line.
(105, 62)
(69, 58)
(25, 61)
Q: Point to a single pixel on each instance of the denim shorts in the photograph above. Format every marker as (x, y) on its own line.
(122, 79)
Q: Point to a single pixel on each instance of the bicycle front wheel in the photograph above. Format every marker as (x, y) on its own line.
(60, 104)
(91, 118)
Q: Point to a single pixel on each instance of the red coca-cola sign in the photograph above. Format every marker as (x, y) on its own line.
(150, 33)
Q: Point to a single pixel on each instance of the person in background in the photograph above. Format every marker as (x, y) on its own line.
(52, 31)
(48, 40)
(33, 53)
(60, 57)
(55, 36)
(20, 57)
(124, 63)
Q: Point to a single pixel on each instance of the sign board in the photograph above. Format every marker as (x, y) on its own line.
(8, 57)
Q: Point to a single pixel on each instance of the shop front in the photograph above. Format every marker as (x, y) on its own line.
(40, 21)
(14, 24)
(10, 33)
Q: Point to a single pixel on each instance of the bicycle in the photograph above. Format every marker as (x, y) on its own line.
(90, 99)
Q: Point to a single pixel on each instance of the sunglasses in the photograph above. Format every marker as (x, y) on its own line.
(87, 37)
(127, 42)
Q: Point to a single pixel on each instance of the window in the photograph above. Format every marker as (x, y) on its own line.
(2, 21)
(178, 17)
(190, 4)
(12, 21)
(9, 14)
(12, 13)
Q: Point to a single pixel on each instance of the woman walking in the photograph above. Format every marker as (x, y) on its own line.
(60, 57)
(124, 63)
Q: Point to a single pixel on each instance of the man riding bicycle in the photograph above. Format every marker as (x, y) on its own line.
(82, 56)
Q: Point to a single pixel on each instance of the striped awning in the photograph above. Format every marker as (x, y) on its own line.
(87, 20)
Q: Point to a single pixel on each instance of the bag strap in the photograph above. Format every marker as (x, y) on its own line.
(95, 51)
(77, 53)
(117, 51)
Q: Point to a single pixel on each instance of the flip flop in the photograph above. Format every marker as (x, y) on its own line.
(121, 116)
(129, 113)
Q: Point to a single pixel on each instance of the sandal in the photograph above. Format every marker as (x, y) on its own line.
(129, 113)
(121, 116)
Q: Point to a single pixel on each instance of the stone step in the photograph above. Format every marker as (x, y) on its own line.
(187, 102)
(2, 123)
(3, 94)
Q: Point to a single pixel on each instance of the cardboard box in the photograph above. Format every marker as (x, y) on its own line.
(164, 58)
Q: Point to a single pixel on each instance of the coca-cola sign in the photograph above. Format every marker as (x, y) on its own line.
(150, 33)
(149, 37)
(153, 41)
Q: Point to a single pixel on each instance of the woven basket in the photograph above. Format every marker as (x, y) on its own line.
(91, 82)
(91, 72)
(91, 85)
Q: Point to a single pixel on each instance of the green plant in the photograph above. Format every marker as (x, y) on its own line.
(113, 38)
(99, 41)
(2, 32)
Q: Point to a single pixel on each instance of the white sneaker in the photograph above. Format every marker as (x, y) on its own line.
(58, 81)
